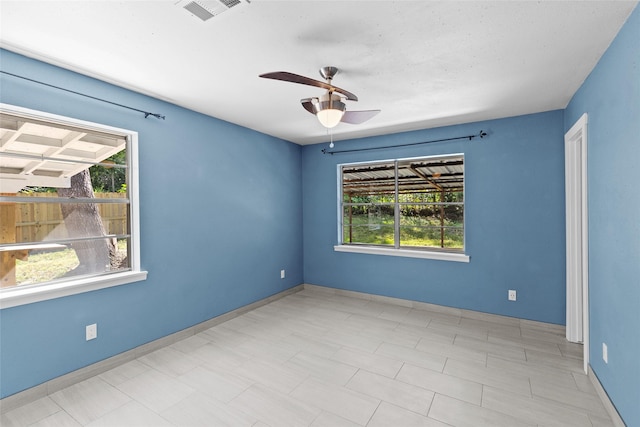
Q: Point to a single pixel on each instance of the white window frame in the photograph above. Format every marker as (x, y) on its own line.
(21, 295)
(424, 253)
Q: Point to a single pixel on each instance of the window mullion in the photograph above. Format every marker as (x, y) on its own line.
(396, 210)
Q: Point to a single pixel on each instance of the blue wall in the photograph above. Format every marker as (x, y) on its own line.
(611, 98)
(221, 215)
(514, 218)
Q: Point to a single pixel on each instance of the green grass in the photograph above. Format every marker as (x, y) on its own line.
(47, 266)
(412, 232)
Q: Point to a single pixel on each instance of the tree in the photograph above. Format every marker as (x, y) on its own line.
(109, 178)
(82, 220)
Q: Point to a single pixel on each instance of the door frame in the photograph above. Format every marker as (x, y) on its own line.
(577, 234)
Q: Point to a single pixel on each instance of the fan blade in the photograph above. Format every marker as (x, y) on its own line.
(357, 117)
(308, 105)
(296, 78)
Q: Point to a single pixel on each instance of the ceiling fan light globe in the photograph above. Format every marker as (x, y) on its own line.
(330, 118)
(329, 110)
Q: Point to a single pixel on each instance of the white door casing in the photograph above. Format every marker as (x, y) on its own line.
(577, 235)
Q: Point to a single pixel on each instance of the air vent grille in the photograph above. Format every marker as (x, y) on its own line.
(207, 9)
(230, 3)
(199, 11)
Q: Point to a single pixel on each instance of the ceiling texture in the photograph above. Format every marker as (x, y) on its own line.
(423, 63)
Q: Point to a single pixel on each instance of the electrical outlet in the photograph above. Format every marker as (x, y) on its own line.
(605, 353)
(282, 274)
(512, 295)
(92, 331)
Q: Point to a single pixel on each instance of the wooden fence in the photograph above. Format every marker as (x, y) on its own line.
(36, 222)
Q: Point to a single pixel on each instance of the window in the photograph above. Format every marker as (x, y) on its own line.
(68, 206)
(408, 207)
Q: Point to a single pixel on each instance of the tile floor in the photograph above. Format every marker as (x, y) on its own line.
(319, 359)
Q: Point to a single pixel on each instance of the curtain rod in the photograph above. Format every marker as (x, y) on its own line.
(482, 134)
(146, 113)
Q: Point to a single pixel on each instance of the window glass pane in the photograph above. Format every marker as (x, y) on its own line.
(374, 183)
(56, 261)
(430, 202)
(431, 237)
(372, 224)
(38, 222)
(428, 225)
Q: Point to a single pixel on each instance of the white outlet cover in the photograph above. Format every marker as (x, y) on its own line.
(512, 295)
(605, 353)
(282, 274)
(91, 332)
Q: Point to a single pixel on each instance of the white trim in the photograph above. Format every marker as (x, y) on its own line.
(20, 295)
(576, 146)
(409, 253)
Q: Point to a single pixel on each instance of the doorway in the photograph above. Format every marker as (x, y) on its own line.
(577, 278)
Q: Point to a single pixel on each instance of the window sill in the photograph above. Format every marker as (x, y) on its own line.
(409, 253)
(13, 297)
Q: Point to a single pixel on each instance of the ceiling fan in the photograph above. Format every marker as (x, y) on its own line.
(328, 108)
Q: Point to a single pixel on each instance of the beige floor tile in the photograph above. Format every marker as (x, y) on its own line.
(462, 414)
(447, 385)
(220, 355)
(122, 373)
(276, 349)
(30, 413)
(200, 410)
(499, 327)
(221, 385)
(59, 419)
(310, 344)
(394, 336)
(507, 381)
(223, 335)
(390, 415)
(549, 374)
(490, 348)
(322, 368)
(407, 396)
(156, 390)
(597, 421)
(375, 363)
(90, 399)
(171, 362)
(434, 362)
(343, 337)
(327, 419)
(451, 351)
(434, 335)
(553, 361)
(532, 410)
(131, 414)
(410, 317)
(525, 343)
(274, 375)
(584, 383)
(349, 404)
(572, 397)
(274, 408)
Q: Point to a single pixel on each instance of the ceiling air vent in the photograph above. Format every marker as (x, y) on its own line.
(206, 9)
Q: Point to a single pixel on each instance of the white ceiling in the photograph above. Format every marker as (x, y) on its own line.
(423, 63)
